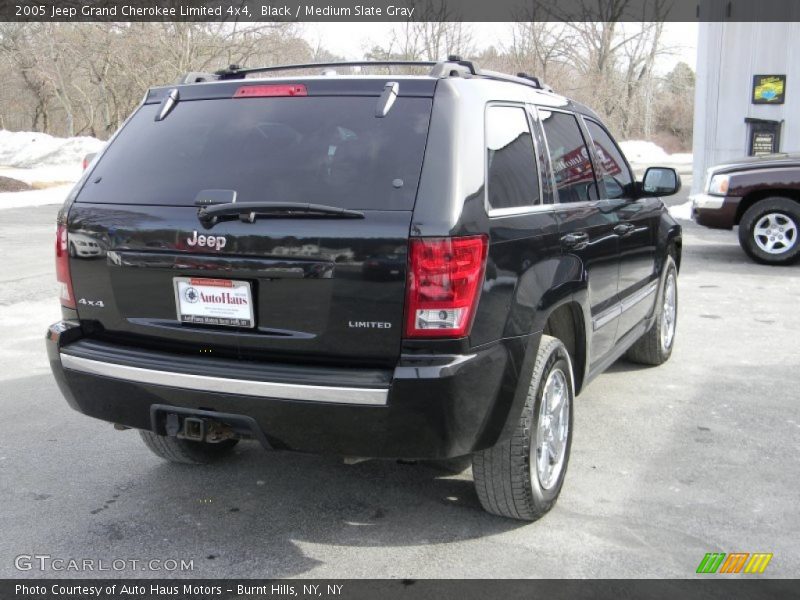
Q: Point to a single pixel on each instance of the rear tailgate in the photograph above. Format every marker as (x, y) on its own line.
(147, 272)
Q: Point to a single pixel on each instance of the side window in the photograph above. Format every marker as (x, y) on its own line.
(512, 177)
(612, 168)
(569, 156)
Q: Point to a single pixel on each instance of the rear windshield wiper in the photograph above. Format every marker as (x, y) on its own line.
(248, 212)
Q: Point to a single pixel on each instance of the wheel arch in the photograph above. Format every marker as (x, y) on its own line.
(676, 244)
(566, 322)
(756, 196)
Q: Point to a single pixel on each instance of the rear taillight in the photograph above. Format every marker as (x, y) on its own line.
(85, 163)
(444, 277)
(65, 294)
(271, 90)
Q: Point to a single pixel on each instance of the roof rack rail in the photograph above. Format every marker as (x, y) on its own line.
(521, 78)
(537, 82)
(195, 77)
(454, 66)
(447, 68)
(236, 72)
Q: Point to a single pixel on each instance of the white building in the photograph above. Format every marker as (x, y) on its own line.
(729, 56)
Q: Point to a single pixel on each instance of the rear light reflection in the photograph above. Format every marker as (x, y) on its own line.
(444, 278)
(65, 293)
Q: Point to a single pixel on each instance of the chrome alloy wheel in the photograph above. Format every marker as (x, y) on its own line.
(669, 312)
(552, 430)
(775, 233)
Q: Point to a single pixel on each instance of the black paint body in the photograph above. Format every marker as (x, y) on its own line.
(311, 277)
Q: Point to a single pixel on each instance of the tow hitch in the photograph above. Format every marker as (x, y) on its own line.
(198, 429)
(203, 425)
(193, 429)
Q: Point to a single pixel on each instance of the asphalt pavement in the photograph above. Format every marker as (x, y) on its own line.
(698, 455)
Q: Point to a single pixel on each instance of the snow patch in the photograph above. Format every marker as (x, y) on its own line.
(682, 212)
(41, 159)
(26, 149)
(643, 152)
(45, 175)
(53, 195)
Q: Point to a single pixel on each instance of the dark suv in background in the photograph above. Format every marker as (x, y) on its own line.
(417, 267)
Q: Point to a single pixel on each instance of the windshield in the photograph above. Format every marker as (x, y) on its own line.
(323, 150)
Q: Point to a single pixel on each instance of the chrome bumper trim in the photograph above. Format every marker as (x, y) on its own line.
(243, 387)
(707, 201)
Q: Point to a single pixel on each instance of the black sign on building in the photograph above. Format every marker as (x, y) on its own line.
(764, 136)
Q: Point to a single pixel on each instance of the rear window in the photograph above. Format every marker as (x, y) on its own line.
(512, 181)
(323, 150)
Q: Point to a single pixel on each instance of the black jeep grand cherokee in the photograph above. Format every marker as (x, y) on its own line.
(417, 267)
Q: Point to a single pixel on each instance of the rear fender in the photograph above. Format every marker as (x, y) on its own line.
(533, 305)
(669, 236)
(542, 289)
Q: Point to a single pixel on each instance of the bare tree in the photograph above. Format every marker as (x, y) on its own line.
(436, 35)
(614, 60)
(538, 47)
(85, 78)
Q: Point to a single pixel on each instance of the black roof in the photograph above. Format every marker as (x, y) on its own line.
(224, 83)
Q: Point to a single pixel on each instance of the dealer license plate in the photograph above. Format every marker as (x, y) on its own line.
(214, 301)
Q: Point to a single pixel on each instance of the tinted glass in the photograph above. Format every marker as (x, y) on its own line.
(569, 156)
(612, 168)
(512, 176)
(323, 150)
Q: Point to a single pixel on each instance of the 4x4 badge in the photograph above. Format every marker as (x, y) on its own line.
(210, 241)
(95, 303)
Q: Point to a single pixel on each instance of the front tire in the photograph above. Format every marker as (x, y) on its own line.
(655, 347)
(186, 452)
(769, 231)
(521, 478)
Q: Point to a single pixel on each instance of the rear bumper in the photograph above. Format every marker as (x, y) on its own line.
(225, 385)
(429, 406)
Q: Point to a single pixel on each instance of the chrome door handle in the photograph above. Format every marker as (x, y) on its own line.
(624, 229)
(575, 240)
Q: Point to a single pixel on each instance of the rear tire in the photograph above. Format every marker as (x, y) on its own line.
(521, 478)
(769, 231)
(655, 347)
(186, 452)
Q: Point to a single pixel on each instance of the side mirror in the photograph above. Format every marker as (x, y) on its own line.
(660, 181)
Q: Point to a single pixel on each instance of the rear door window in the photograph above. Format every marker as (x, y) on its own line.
(569, 157)
(512, 175)
(322, 150)
(613, 170)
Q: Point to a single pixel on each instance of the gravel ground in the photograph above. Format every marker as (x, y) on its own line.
(699, 455)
